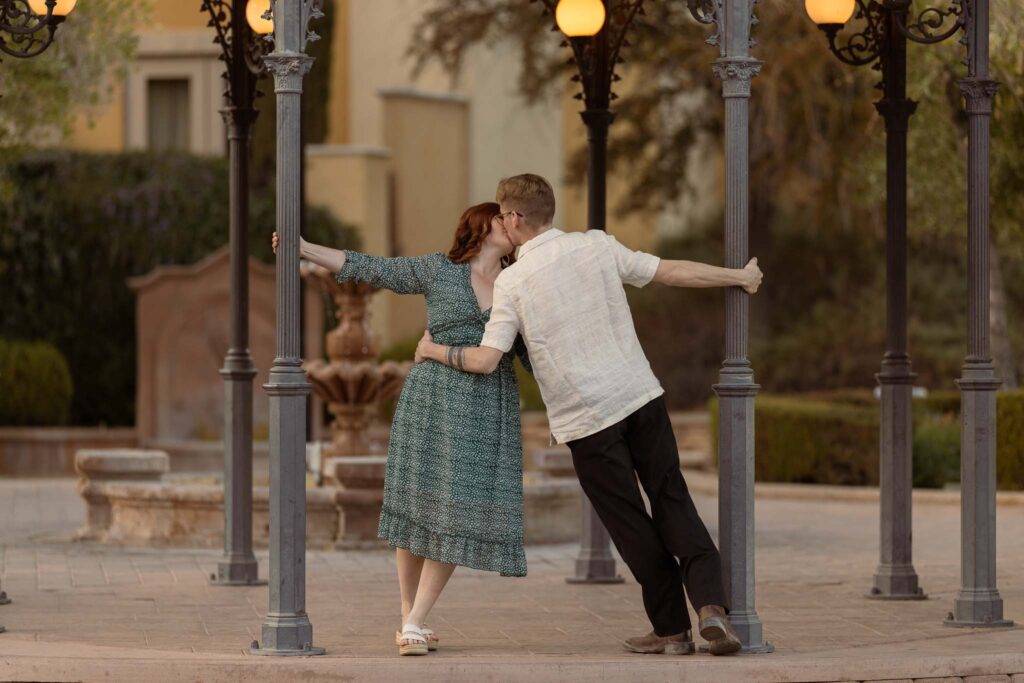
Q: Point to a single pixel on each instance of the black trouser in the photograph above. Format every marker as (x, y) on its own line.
(607, 464)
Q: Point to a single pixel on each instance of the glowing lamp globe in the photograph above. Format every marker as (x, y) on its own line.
(580, 18)
(826, 12)
(61, 9)
(254, 11)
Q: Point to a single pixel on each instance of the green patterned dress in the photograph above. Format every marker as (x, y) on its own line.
(453, 489)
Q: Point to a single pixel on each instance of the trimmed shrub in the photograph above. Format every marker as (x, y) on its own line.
(936, 449)
(811, 439)
(808, 441)
(946, 402)
(1010, 439)
(35, 384)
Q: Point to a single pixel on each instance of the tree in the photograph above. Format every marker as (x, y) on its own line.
(810, 115)
(41, 95)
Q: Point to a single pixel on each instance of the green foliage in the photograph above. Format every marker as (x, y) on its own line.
(1010, 438)
(529, 390)
(79, 225)
(832, 438)
(807, 441)
(936, 450)
(35, 384)
(401, 351)
(92, 50)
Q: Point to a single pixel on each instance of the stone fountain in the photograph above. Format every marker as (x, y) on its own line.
(354, 384)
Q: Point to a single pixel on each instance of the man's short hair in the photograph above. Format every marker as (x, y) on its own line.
(531, 195)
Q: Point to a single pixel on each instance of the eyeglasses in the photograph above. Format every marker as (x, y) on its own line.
(501, 216)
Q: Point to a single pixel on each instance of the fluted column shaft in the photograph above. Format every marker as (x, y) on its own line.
(978, 602)
(736, 388)
(895, 577)
(287, 629)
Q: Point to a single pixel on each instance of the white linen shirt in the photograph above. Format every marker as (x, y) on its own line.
(564, 294)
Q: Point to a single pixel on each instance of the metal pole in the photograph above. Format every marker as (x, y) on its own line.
(4, 600)
(895, 578)
(736, 388)
(595, 562)
(238, 566)
(978, 602)
(287, 629)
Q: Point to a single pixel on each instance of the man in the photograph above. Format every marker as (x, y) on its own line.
(565, 296)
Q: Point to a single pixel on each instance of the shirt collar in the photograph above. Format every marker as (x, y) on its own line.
(546, 236)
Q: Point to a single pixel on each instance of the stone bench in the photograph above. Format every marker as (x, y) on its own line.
(97, 467)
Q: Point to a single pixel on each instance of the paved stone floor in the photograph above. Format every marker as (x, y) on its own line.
(88, 611)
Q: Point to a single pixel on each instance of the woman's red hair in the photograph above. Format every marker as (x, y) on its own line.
(474, 226)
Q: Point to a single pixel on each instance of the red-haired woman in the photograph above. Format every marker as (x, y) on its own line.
(453, 490)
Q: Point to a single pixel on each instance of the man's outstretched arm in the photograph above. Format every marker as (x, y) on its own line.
(482, 360)
(693, 274)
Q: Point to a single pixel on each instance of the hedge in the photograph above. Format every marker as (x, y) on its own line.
(35, 384)
(78, 225)
(832, 438)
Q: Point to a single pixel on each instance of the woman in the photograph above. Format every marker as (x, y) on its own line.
(453, 488)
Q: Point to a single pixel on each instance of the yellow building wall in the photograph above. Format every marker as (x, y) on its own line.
(177, 15)
(429, 138)
(101, 129)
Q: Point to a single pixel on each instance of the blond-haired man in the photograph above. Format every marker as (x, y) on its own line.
(565, 296)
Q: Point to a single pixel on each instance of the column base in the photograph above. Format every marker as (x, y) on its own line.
(977, 609)
(267, 652)
(237, 573)
(896, 582)
(583, 577)
(751, 632)
(765, 649)
(594, 562)
(595, 570)
(287, 636)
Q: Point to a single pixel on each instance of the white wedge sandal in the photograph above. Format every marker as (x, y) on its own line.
(417, 641)
(427, 633)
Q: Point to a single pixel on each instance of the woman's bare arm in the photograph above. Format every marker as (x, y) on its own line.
(331, 259)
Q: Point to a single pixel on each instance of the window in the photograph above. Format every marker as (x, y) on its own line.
(167, 111)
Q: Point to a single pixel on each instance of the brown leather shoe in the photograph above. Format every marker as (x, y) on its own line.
(653, 644)
(716, 629)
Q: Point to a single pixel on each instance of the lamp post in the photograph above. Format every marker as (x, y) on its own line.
(736, 389)
(287, 629)
(21, 22)
(596, 32)
(240, 35)
(28, 27)
(882, 42)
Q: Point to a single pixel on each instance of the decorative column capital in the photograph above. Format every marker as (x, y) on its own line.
(978, 92)
(288, 68)
(239, 121)
(896, 112)
(736, 74)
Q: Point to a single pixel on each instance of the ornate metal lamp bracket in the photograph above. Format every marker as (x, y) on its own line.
(20, 28)
(597, 63)
(254, 51)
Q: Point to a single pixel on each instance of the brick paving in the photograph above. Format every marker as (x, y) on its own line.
(814, 563)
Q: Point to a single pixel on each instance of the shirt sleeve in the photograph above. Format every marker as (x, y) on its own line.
(636, 268)
(402, 275)
(503, 326)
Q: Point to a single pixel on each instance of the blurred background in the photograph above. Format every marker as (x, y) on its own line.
(113, 175)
